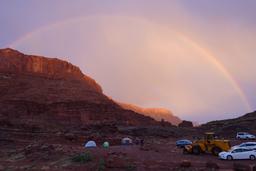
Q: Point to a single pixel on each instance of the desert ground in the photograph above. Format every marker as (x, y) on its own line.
(21, 151)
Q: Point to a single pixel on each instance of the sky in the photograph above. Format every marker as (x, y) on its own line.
(194, 57)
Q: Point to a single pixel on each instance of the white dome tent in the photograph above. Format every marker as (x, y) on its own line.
(90, 144)
(126, 141)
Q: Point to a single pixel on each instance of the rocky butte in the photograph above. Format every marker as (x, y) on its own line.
(50, 93)
(158, 114)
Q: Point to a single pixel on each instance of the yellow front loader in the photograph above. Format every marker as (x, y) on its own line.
(210, 144)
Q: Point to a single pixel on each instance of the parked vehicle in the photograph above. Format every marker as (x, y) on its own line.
(239, 153)
(210, 144)
(183, 143)
(244, 135)
(247, 145)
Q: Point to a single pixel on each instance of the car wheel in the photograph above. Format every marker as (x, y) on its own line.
(196, 150)
(229, 157)
(252, 157)
(216, 151)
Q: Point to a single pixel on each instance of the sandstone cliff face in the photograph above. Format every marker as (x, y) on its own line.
(156, 113)
(12, 61)
(53, 93)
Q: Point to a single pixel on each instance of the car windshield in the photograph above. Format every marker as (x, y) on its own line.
(181, 141)
(184, 141)
(237, 150)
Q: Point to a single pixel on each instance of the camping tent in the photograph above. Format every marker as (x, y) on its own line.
(105, 144)
(126, 141)
(90, 144)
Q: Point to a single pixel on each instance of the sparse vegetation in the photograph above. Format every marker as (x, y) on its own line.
(101, 166)
(83, 158)
(131, 167)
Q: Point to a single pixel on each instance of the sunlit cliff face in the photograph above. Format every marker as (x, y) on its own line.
(144, 63)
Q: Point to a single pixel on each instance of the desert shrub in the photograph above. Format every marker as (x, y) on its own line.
(83, 158)
(101, 166)
(130, 167)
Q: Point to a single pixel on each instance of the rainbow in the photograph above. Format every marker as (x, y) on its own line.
(212, 59)
(196, 46)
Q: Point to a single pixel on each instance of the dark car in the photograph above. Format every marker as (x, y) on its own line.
(183, 143)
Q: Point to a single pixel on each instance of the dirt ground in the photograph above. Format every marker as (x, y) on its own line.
(155, 155)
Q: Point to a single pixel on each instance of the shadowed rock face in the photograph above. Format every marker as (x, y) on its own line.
(186, 124)
(156, 113)
(52, 93)
(229, 127)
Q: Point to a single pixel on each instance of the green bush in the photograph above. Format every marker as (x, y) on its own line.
(101, 166)
(131, 167)
(83, 158)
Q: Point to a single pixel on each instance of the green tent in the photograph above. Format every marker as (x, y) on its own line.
(105, 144)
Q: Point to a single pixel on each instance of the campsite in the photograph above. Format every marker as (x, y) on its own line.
(64, 153)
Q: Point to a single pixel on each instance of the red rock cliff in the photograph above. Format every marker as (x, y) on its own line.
(53, 93)
(12, 61)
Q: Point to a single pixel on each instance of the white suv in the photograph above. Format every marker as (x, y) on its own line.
(244, 135)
